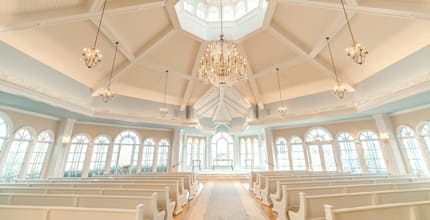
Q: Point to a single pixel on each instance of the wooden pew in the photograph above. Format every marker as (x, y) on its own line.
(333, 182)
(164, 201)
(173, 188)
(312, 207)
(10, 212)
(290, 196)
(398, 211)
(150, 208)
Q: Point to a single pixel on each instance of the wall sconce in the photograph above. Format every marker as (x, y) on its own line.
(66, 140)
(384, 137)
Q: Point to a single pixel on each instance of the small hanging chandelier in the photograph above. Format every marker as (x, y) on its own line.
(222, 65)
(339, 89)
(92, 55)
(282, 109)
(163, 109)
(357, 51)
(107, 94)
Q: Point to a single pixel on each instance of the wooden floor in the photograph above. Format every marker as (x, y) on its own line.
(187, 209)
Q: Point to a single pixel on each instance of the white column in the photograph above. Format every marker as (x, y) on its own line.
(176, 151)
(88, 155)
(109, 159)
(336, 151)
(268, 135)
(155, 158)
(360, 154)
(56, 161)
(390, 147)
(139, 157)
(236, 152)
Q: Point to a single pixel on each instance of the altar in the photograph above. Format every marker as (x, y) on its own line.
(222, 163)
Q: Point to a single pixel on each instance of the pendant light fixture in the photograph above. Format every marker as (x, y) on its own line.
(107, 94)
(339, 89)
(92, 55)
(163, 109)
(357, 51)
(282, 109)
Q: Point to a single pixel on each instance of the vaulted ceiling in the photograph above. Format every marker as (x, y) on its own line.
(292, 38)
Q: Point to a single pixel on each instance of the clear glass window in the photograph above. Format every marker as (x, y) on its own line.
(76, 158)
(125, 153)
(282, 157)
(45, 140)
(297, 154)
(15, 158)
(372, 152)
(99, 156)
(413, 153)
(148, 155)
(348, 153)
(163, 155)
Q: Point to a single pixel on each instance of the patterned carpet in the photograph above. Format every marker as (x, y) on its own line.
(225, 201)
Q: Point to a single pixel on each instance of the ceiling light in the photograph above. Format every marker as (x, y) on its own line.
(222, 65)
(339, 89)
(107, 94)
(163, 109)
(92, 55)
(282, 109)
(357, 51)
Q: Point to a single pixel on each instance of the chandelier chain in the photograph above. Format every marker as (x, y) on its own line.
(113, 64)
(222, 23)
(100, 23)
(332, 60)
(165, 86)
(347, 22)
(279, 87)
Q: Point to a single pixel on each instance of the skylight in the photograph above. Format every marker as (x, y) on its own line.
(202, 17)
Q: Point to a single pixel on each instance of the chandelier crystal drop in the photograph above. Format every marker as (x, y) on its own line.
(92, 56)
(282, 109)
(357, 51)
(107, 95)
(339, 89)
(222, 65)
(163, 109)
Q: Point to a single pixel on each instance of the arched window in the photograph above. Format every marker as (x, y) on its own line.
(424, 131)
(213, 13)
(15, 158)
(222, 146)
(44, 141)
(240, 9)
(75, 160)
(282, 157)
(195, 150)
(163, 155)
(228, 13)
(125, 153)
(201, 11)
(297, 154)
(348, 153)
(319, 140)
(257, 152)
(4, 133)
(372, 152)
(99, 156)
(413, 154)
(252, 4)
(148, 155)
(188, 5)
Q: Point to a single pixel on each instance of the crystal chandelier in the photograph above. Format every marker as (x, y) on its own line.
(222, 65)
(163, 109)
(282, 109)
(92, 55)
(339, 89)
(357, 51)
(107, 95)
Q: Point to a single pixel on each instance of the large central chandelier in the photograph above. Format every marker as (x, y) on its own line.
(222, 64)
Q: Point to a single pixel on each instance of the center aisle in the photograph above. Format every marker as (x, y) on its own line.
(225, 201)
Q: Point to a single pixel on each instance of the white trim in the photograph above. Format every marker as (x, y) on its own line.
(128, 127)
(5, 107)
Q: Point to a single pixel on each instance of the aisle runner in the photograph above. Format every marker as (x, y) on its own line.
(225, 201)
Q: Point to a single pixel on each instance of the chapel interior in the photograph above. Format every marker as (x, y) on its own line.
(214, 109)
